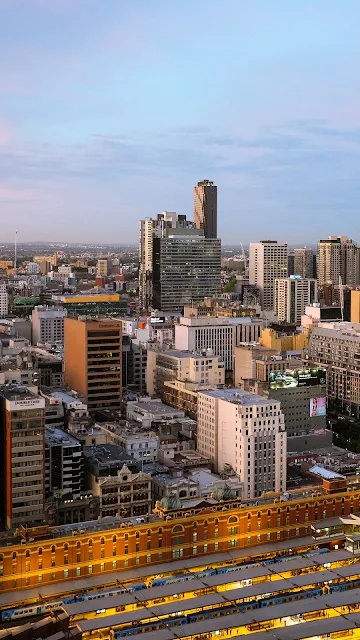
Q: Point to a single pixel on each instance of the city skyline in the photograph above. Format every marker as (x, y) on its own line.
(115, 115)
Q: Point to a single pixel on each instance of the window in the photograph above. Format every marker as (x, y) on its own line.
(195, 551)
(66, 573)
(78, 571)
(90, 568)
(102, 540)
(114, 539)
(102, 566)
(148, 557)
(114, 564)
(53, 549)
(177, 528)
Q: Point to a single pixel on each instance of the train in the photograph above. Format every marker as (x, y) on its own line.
(49, 607)
(230, 609)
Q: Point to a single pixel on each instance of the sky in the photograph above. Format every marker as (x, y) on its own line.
(112, 110)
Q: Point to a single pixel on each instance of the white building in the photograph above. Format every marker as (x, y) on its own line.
(221, 335)
(292, 296)
(268, 260)
(247, 433)
(48, 325)
(141, 446)
(147, 411)
(33, 268)
(4, 300)
(163, 366)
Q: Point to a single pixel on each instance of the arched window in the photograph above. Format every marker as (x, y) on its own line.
(114, 538)
(160, 531)
(66, 547)
(205, 523)
(177, 529)
(259, 514)
(102, 540)
(14, 555)
(40, 551)
(78, 545)
(53, 549)
(137, 535)
(90, 543)
(232, 519)
(195, 524)
(27, 554)
(249, 516)
(1, 557)
(182, 493)
(126, 537)
(149, 532)
(269, 512)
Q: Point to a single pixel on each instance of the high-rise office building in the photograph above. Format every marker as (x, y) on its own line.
(268, 260)
(93, 359)
(205, 208)
(303, 263)
(186, 269)
(22, 436)
(337, 257)
(4, 300)
(246, 432)
(292, 296)
(178, 264)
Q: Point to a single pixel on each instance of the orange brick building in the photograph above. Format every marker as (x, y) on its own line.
(45, 555)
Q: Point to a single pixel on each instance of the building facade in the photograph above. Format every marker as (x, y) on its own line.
(63, 463)
(268, 260)
(292, 296)
(43, 558)
(23, 457)
(337, 349)
(47, 325)
(247, 433)
(4, 300)
(303, 263)
(93, 360)
(337, 257)
(205, 208)
(125, 494)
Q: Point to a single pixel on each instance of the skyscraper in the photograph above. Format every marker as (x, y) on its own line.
(93, 359)
(178, 264)
(205, 208)
(337, 256)
(292, 295)
(303, 263)
(268, 260)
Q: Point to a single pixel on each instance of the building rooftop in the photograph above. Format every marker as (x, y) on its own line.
(54, 435)
(67, 398)
(239, 396)
(156, 407)
(168, 480)
(17, 392)
(325, 473)
(107, 454)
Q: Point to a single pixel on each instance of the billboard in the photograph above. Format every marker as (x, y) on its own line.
(317, 407)
(302, 377)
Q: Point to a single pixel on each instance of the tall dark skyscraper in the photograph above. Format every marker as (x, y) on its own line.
(205, 208)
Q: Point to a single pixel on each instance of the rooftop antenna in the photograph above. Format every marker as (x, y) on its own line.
(15, 257)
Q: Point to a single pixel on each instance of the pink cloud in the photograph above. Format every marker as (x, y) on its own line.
(5, 133)
(13, 195)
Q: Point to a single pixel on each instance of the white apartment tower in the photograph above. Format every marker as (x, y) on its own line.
(246, 432)
(268, 260)
(4, 301)
(337, 257)
(292, 296)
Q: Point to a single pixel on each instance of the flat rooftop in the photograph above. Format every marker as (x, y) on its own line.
(54, 435)
(107, 454)
(157, 407)
(19, 392)
(239, 396)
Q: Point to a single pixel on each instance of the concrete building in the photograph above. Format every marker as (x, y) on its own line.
(103, 267)
(33, 268)
(255, 362)
(281, 340)
(150, 412)
(22, 421)
(184, 395)
(174, 365)
(221, 335)
(48, 325)
(303, 263)
(336, 348)
(63, 463)
(337, 257)
(175, 484)
(125, 494)
(268, 260)
(4, 300)
(244, 432)
(205, 208)
(139, 445)
(292, 296)
(93, 360)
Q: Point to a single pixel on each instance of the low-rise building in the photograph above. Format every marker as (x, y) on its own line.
(149, 412)
(175, 484)
(125, 494)
(140, 445)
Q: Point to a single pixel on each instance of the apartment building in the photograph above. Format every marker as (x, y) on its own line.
(22, 422)
(268, 260)
(244, 432)
(292, 296)
(205, 207)
(337, 256)
(303, 263)
(4, 300)
(47, 325)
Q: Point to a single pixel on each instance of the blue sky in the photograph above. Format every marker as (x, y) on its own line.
(111, 110)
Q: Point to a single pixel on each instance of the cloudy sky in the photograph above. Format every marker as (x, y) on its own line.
(111, 110)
